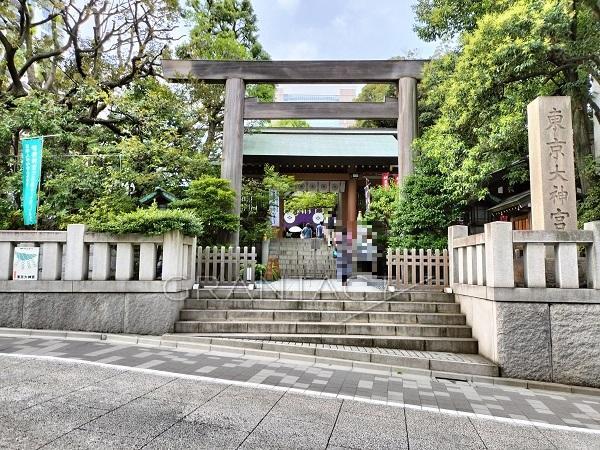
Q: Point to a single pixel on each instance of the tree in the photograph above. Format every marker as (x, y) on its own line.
(255, 217)
(290, 123)
(223, 30)
(424, 210)
(383, 208)
(376, 93)
(82, 51)
(211, 199)
(508, 53)
(112, 179)
(303, 201)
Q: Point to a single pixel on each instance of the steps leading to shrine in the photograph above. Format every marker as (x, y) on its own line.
(421, 330)
(425, 321)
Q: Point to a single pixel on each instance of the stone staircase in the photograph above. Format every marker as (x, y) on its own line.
(390, 323)
(303, 258)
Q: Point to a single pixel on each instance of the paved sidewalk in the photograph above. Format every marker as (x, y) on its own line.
(208, 400)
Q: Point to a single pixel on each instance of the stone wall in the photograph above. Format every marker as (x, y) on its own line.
(537, 340)
(309, 258)
(136, 313)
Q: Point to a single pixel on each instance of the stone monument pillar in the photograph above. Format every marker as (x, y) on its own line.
(233, 142)
(407, 125)
(551, 164)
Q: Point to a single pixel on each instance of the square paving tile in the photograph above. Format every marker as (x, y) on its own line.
(195, 435)
(187, 391)
(369, 432)
(306, 408)
(276, 433)
(427, 430)
(499, 435)
(141, 418)
(93, 440)
(235, 407)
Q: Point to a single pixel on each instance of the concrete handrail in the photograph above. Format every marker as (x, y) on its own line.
(79, 255)
(488, 259)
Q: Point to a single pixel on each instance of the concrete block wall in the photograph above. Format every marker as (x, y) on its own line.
(545, 341)
(137, 313)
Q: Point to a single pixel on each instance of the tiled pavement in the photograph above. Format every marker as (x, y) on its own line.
(50, 401)
(442, 356)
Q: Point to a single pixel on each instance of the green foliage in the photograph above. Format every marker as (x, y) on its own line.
(263, 92)
(283, 184)
(158, 112)
(150, 221)
(112, 179)
(425, 210)
(259, 271)
(474, 99)
(10, 212)
(221, 30)
(589, 208)
(383, 207)
(254, 218)
(120, 132)
(376, 93)
(383, 203)
(444, 19)
(290, 123)
(211, 199)
(255, 223)
(302, 201)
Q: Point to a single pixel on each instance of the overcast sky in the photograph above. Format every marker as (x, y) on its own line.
(338, 29)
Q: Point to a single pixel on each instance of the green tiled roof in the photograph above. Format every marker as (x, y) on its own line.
(312, 143)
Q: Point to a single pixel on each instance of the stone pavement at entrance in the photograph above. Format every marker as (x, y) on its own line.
(130, 396)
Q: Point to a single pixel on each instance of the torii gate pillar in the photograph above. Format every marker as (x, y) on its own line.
(407, 125)
(233, 142)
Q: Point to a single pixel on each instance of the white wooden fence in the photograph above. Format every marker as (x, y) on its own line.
(417, 267)
(225, 264)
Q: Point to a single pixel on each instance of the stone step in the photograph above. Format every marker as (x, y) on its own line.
(431, 344)
(412, 296)
(362, 357)
(325, 305)
(335, 328)
(204, 315)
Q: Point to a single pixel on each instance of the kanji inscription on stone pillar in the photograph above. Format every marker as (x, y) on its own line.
(551, 164)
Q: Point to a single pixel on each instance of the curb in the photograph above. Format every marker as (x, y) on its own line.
(201, 345)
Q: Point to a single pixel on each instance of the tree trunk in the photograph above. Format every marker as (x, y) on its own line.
(210, 137)
(581, 138)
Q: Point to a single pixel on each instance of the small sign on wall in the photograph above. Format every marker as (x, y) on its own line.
(25, 263)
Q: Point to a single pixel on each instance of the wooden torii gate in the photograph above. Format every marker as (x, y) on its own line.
(235, 75)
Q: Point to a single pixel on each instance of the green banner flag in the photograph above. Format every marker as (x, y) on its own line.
(31, 152)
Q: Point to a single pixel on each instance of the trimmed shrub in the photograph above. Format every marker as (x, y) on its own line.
(151, 221)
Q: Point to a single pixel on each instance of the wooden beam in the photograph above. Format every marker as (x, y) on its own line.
(293, 71)
(321, 110)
